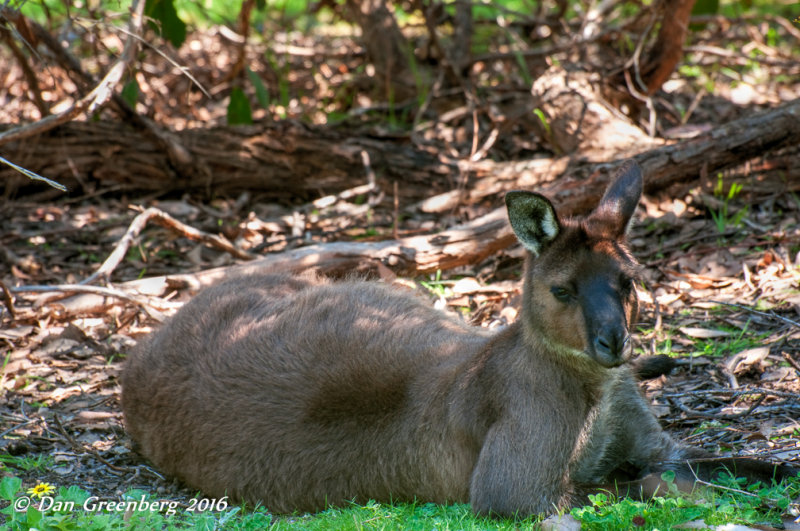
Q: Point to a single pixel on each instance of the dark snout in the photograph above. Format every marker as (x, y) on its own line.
(612, 345)
(606, 326)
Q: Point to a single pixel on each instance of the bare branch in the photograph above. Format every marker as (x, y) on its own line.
(98, 97)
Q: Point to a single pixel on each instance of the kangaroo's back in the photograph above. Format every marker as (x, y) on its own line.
(309, 381)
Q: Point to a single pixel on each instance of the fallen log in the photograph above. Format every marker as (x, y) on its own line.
(576, 184)
(460, 245)
(285, 161)
(288, 161)
(730, 144)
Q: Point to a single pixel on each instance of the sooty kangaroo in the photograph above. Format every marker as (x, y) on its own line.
(299, 393)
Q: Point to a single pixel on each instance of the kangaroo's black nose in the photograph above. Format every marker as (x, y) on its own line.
(609, 345)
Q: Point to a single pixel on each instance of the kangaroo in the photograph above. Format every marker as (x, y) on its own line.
(299, 393)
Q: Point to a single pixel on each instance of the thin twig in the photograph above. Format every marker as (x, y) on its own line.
(148, 306)
(791, 361)
(83, 448)
(8, 301)
(735, 392)
(730, 416)
(18, 426)
(644, 98)
(98, 97)
(183, 70)
(165, 220)
(33, 175)
(708, 484)
(758, 312)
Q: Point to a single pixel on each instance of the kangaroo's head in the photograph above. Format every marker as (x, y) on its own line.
(579, 295)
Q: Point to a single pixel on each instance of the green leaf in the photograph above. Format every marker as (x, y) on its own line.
(130, 93)
(705, 7)
(9, 486)
(542, 118)
(74, 494)
(33, 516)
(239, 108)
(172, 27)
(262, 95)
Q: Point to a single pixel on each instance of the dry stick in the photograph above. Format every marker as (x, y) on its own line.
(644, 98)
(27, 71)
(165, 220)
(708, 484)
(757, 312)
(146, 305)
(728, 416)
(9, 302)
(791, 362)
(98, 97)
(18, 426)
(78, 447)
(735, 392)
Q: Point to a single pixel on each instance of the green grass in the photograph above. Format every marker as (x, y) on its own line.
(436, 285)
(728, 346)
(716, 347)
(26, 462)
(722, 216)
(732, 502)
(69, 508)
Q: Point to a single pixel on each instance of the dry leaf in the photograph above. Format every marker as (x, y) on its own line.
(745, 360)
(466, 286)
(703, 333)
(564, 522)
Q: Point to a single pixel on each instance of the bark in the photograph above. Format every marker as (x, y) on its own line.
(578, 119)
(736, 142)
(387, 47)
(284, 161)
(288, 161)
(667, 51)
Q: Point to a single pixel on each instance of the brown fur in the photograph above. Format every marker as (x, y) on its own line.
(298, 393)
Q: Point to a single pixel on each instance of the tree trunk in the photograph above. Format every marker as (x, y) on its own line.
(667, 51)
(387, 48)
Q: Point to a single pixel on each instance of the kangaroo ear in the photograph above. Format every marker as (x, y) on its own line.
(613, 214)
(533, 219)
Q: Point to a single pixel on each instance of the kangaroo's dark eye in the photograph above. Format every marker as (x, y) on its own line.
(561, 293)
